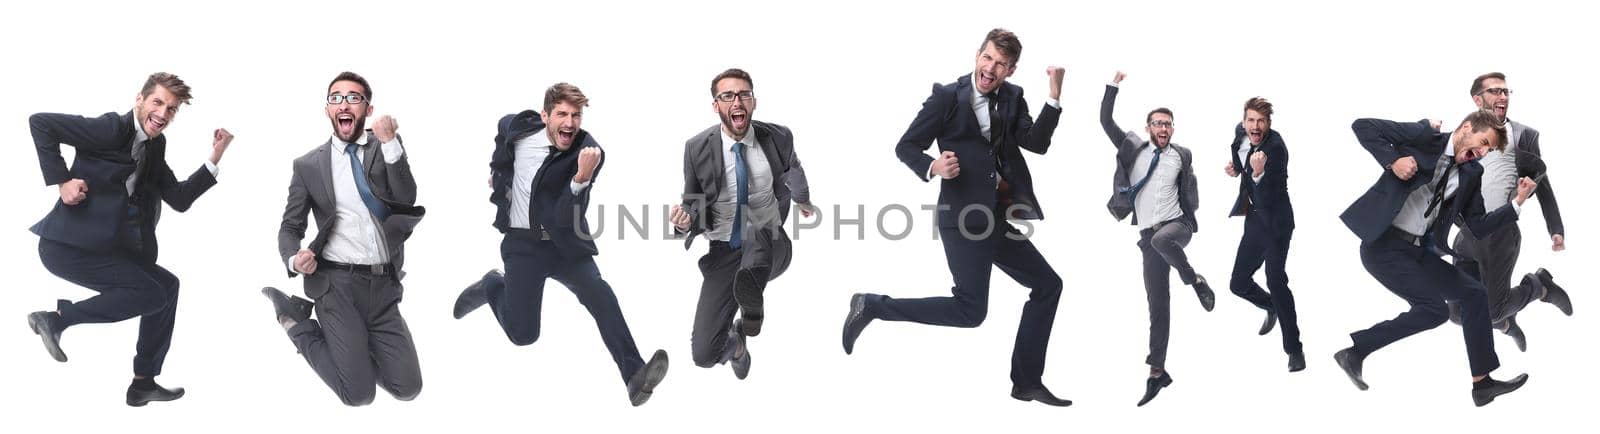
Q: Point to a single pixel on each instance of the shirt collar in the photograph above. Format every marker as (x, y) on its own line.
(340, 144)
(749, 139)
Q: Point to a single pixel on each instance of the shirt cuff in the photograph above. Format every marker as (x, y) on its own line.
(211, 168)
(1257, 179)
(1113, 85)
(929, 176)
(392, 151)
(1516, 207)
(1053, 103)
(290, 263)
(577, 188)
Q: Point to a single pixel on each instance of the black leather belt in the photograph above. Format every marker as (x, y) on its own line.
(1402, 235)
(536, 233)
(373, 269)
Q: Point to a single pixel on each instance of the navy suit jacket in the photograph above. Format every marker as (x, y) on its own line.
(554, 206)
(1373, 213)
(104, 160)
(947, 117)
(1269, 198)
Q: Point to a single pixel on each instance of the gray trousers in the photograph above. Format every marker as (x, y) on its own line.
(1491, 260)
(359, 340)
(769, 249)
(1162, 246)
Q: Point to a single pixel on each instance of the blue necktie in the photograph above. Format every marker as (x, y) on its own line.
(1133, 190)
(378, 209)
(741, 177)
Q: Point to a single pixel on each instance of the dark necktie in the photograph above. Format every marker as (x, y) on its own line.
(1133, 190)
(378, 209)
(1438, 188)
(994, 116)
(741, 178)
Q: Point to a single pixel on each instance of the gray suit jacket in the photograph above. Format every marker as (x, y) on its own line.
(703, 181)
(311, 190)
(1129, 147)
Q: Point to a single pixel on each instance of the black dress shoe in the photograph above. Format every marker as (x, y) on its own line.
(1297, 362)
(48, 326)
(288, 307)
(141, 394)
(476, 295)
(1553, 293)
(1514, 330)
(1266, 326)
(748, 287)
(1350, 361)
(643, 384)
(741, 353)
(855, 322)
(1038, 393)
(1153, 386)
(1484, 392)
(1208, 299)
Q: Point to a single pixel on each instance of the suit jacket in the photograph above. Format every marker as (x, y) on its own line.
(1129, 148)
(947, 117)
(1530, 163)
(104, 161)
(704, 171)
(1269, 198)
(561, 213)
(1373, 213)
(311, 191)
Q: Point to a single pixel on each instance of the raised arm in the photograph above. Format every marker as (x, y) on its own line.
(914, 144)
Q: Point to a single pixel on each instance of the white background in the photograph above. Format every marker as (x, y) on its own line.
(847, 77)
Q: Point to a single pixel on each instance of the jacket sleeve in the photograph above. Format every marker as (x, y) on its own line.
(293, 227)
(1036, 136)
(914, 144)
(181, 194)
(1108, 105)
(1388, 141)
(51, 130)
(1530, 162)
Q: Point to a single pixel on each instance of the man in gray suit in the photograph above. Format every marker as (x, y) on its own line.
(738, 179)
(1492, 257)
(358, 184)
(1155, 183)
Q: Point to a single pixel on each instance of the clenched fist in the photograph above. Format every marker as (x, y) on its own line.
(1118, 78)
(73, 191)
(305, 262)
(1525, 188)
(219, 144)
(680, 218)
(1056, 74)
(1258, 163)
(946, 166)
(1232, 172)
(1404, 167)
(588, 160)
(385, 128)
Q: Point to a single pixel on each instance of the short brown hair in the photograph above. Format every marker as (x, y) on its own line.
(564, 92)
(1482, 120)
(1260, 105)
(1477, 84)
(1163, 110)
(1006, 42)
(731, 73)
(366, 89)
(171, 82)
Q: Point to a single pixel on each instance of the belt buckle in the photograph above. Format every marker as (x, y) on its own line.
(377, 269)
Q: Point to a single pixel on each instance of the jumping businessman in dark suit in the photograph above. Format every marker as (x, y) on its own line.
(741, 216)
(543, 168)
(1259, 154)
(1403, 220)
(982, 125)
(358, 185)
(101, 235)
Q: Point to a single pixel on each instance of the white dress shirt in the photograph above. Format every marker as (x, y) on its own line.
(530, 153)
(1500, 174)
(1244, 158)
(357, 237)
(760, 204)
(1158, 200)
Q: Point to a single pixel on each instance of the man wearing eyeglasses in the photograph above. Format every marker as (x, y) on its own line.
(1155, 183)
(359, 187)
(982, 125)
(542, 171)
(101, 235)
(1431, 179)
(1491, 258)
(738, 179)
(1259, 153)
